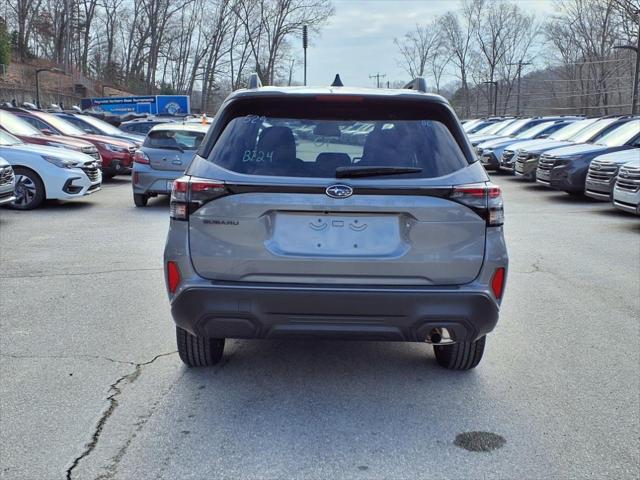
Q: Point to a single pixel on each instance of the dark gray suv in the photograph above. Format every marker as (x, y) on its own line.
(276, 235)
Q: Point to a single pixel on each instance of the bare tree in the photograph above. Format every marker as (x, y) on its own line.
(268, 23)
(419, 47)
(459, 31)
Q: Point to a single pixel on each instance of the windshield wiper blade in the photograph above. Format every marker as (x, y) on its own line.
(353, 172)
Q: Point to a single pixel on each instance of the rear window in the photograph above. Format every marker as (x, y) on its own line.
(262, 145)
(174, 139)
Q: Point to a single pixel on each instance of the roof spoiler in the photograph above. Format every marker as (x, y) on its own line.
(254, 81)
(418, 83)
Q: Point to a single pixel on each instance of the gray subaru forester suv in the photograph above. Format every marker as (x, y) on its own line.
(273, 235)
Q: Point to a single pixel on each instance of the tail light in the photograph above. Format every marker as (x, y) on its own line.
(497, 282)
(190, 193)
(141, 157)
(173, 276)
(485, 200)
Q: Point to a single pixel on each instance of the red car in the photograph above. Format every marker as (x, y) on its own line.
(117, 155)
(26, 132)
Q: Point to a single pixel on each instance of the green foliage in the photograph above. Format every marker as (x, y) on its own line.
(5, 44)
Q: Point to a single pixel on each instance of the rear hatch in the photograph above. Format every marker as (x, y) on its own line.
(171, 150)
(285, 217)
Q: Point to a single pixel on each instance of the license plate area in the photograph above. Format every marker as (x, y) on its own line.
(336, 235)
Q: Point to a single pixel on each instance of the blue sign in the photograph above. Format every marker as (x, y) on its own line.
(155, 104)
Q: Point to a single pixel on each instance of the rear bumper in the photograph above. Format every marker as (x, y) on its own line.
(146, 180)
(228, 310)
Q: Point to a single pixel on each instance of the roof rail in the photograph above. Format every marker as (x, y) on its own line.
(254, 81)
(418, 83)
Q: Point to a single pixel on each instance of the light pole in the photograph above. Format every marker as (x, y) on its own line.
(305, 44)
(38, 72)
(495, 96)
(520, 64)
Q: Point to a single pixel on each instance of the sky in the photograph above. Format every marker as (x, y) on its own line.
(358, 40)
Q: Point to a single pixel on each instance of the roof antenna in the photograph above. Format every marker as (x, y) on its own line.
(337, 82)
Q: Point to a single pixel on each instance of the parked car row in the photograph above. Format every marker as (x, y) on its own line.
(597, 157)
(52, 158)
(66, 155)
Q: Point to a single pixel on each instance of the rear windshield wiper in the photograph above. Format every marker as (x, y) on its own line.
(353, 172)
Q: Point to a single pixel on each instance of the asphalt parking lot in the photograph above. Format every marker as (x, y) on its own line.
(93, 388)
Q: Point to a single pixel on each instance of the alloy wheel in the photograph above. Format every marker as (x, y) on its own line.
(25, 190)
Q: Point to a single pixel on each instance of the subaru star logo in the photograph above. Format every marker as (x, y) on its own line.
(623, 174)
(339, 191)
(596, 166)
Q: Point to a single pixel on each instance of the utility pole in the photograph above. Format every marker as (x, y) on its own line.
(636, 75)
(305, 44)
(520, 64)
(377, 76)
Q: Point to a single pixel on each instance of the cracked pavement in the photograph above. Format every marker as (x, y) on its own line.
(93, 389)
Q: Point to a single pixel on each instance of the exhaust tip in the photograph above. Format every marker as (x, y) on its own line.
(440, 336)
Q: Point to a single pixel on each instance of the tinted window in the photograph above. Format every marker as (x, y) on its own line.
(316, 148)
(39, 124)
(80, 124)
(174, 139)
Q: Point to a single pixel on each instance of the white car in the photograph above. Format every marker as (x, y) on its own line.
(626, 191)
(7, 182)
(43, 172)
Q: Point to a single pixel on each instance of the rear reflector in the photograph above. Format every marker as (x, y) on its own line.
(497, 282)
(173, 276)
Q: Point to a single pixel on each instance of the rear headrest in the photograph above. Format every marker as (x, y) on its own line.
(280, 142)
(381, 144)
(333, 159)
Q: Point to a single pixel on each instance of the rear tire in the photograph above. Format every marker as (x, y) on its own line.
(140, 199)
(460, 356)
(29, 189)
(198, 351)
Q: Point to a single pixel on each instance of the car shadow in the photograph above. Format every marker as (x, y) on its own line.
(562, 197)
(64, 205)
(117, 180)
(631, 222)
